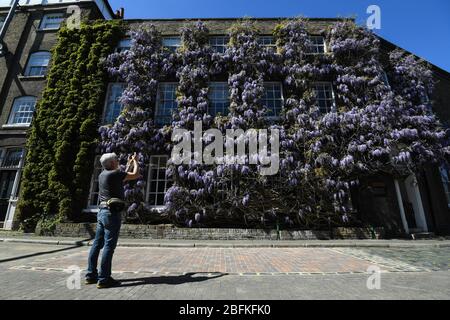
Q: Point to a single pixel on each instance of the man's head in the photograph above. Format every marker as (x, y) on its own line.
(109, 161)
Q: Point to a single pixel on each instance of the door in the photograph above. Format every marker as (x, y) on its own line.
(411, 206)
(7, 179)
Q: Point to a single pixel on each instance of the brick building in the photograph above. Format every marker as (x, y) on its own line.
(412, 204)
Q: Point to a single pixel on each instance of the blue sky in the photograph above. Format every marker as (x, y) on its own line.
(420, 26)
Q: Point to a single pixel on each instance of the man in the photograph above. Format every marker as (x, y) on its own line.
(111, 193)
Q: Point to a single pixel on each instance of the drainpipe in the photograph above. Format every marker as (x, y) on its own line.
(5, 26)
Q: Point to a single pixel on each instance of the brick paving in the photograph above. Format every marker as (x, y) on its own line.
(215, 260)
(31, 271)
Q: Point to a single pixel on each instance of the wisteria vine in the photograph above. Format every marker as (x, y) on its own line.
(373, 127)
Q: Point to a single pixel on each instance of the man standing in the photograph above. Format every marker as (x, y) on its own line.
(109, 218)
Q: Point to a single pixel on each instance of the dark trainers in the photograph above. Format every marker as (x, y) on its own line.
(110, 283)
(90, 281)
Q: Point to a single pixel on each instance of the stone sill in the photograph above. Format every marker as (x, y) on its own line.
(32, 78)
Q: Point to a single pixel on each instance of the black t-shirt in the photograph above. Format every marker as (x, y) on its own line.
(111, 184)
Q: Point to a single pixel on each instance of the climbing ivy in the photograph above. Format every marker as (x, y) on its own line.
(62, 141)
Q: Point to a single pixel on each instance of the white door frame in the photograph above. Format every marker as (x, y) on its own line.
(413, 191)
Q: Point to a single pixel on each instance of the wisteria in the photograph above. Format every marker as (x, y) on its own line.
(373, 126)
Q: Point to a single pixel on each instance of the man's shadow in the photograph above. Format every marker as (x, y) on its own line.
(171, 280)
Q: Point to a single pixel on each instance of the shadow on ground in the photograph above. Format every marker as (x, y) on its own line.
(171, 280)
(37, 254)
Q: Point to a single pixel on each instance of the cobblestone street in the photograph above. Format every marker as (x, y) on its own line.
(37, 271)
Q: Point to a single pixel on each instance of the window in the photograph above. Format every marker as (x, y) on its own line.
(113, 106)
(219, 44)
(171, 43)
(324, 96)
(94, 196)
(445, 176)
(38, 64)
(158, 183)
(166, 102)
(267, 41)
(11, 158)
(124, 45)
(22, 111)
(317, 45)
(2, 20)
(11, 162)
(273, 99)
(384, 78)
(219, 98)
(52, 21)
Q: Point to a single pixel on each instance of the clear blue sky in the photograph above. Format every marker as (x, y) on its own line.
(420, 26)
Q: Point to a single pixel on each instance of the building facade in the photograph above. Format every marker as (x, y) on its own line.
(27, 44)
(413, 204)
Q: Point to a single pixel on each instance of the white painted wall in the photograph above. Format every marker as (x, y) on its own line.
(101, 4)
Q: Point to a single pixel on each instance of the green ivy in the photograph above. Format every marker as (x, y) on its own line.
(63, 137)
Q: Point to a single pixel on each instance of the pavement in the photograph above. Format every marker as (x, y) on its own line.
(205, 270)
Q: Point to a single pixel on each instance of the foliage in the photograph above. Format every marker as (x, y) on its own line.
(373, 127)
(62, 141)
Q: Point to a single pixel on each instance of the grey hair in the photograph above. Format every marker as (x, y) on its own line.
(107, 159)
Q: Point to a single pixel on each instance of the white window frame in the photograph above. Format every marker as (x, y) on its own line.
(222, 44)
(158, 102)
(325, 48)
(94, 190)
(18, 168)
(124, 45)
(333, 98)
(271, 116)
(171, 47)
(149, 180)
(262, 41)
(39, 60)
(445, 178)
(51, 16)
(211, 100)
(14, 111)
(108, 100)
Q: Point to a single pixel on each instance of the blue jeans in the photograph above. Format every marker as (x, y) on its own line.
(106, 236)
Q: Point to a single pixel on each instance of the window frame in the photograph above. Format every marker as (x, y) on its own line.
(13, 112)
(29, 66)
(210, 85)
(121, 48)
(171, 48)
(2, 20)
(273, 45)
(158, 102)
(149, 180)
(325, 47)
(105, 108)
(94, 186)
(445, 183)
(333, 96)
(45, 19)
(224, 45)
(275, 117)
